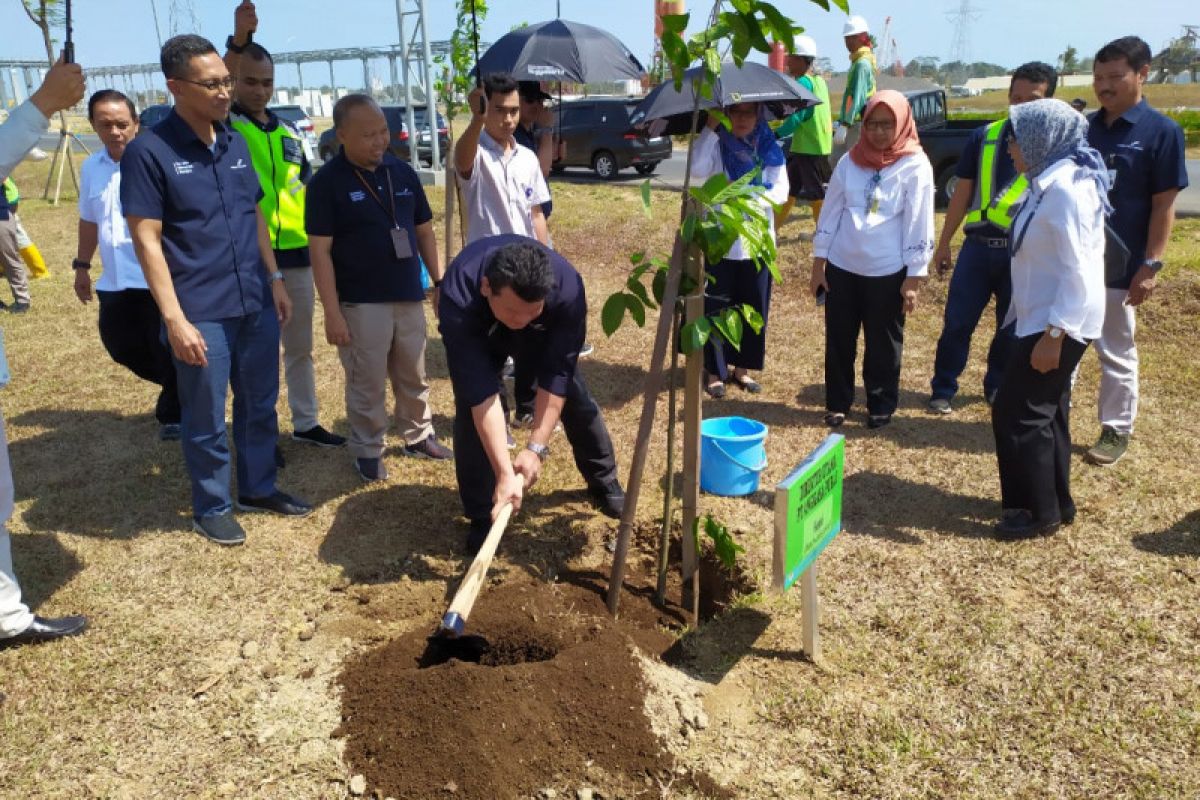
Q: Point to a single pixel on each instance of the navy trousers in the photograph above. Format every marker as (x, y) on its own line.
(980, 273)
(243, 353)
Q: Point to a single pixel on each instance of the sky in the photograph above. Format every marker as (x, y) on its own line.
(114, 32)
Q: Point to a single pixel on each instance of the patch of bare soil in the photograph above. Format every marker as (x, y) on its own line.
(553, 697)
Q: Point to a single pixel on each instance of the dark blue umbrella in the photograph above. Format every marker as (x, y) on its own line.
(666, 111)
(561, 50)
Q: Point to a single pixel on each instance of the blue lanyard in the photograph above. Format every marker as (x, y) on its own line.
(1014, 242)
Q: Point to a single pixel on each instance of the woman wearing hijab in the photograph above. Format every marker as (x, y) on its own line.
(1057, 244)
(748, 145)
(870, 254)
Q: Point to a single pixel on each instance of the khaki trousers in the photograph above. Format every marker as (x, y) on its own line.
(387, 343)
(10, 259)
(297, 339)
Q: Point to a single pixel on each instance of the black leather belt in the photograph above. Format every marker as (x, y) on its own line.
(996, 243)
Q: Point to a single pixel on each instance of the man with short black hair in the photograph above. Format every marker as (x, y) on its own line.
(503, 185)
(190, 196)
(282, 160)
(986, 195)
(500, 295)
(130, 325)
(367, 219)
(1144, 151)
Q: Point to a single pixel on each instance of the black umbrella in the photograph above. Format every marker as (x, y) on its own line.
(561, 50)
(668, 112)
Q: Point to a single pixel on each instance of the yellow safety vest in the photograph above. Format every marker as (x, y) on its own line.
(998, 207)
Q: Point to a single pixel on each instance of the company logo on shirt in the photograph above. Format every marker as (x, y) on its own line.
(405, 192)
(183, 167)
(358, 196)
(528, 192)
(241, 164)
(1136, 144)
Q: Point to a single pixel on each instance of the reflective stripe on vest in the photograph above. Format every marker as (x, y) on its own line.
(279, 168)
(1000, 200)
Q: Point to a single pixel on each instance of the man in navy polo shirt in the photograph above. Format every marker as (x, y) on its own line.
(190, 196)
(504, 293)
(367, 217)
(1144, 151)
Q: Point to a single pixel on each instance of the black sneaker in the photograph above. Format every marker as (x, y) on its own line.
(169, 432)
(277, 503)
(370, 469)
(429, 447)
(586, 350)
(222, 529)
(320, 437)
(609, 499)
(18, 308)
(940, 405)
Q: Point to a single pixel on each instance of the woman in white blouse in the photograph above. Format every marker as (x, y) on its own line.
(870, 254)
(749, 145)
(1057, 244)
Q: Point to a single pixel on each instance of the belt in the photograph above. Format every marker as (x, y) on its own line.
(995, 243)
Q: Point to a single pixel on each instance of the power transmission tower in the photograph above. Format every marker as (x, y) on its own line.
(182, 17)
(960, 47)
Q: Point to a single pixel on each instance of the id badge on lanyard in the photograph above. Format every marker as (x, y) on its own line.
(400, 243)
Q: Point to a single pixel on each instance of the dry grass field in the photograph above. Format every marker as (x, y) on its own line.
(954, 665)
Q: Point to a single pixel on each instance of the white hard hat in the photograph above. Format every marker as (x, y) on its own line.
(855, 24)
(804, 46)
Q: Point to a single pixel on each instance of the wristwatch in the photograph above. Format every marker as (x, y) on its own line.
(79, 263)
(539, 450)
(275, 276)
(1054, 333)
(233, 48)
(1154, 264)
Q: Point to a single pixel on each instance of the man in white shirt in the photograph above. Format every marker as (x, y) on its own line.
(62, 88)
(502, 182)
(130, 325)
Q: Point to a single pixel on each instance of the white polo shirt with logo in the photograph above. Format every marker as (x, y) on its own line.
(502, 191)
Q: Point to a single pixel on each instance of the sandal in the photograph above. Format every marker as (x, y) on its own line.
(748, 384)
(715, 390)
(834, 420)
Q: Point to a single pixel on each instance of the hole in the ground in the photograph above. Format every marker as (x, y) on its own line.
(501, 650)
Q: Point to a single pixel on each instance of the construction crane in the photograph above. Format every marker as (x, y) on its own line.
(889, 51)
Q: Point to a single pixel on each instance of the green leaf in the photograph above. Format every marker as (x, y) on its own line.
(676, 54)
(743, 6)
(688, 229)
(724, 545)
(754, 29)
(613, 313)
(658, 285)
(639, 291)
(729, 326)
(636, 309)
(646, 198)
(782, 27)
(675, 23)
(637, 258)
(752, 317)
(712, 62)
(693, 335)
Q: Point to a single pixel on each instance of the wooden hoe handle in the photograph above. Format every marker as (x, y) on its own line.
(472, 582)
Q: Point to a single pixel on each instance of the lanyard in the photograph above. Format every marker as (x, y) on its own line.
(1014, 243)
(391, 193)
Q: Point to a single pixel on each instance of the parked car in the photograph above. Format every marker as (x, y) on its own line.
(300, 119)
(151, 116)
(597, 135)
(401, 142)
(942, 139)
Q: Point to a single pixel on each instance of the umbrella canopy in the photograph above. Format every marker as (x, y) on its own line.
(669, 112)
(561, 50)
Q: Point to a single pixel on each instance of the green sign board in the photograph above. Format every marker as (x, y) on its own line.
(808, 510)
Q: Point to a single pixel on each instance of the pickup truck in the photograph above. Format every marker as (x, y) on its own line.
(942, 139)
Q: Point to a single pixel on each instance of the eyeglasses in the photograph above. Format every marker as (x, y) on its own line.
(880, 126)
(214, 85)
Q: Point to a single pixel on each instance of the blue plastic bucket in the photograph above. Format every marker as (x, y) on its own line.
(732, 455)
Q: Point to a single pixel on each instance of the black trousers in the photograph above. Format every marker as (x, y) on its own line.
(524, 383)
(586, 432)
(874, 306)
(131, 332)
(736, 283)
(1030, 420)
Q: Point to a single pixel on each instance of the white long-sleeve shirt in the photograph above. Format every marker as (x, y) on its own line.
(100, 204)
(875, 223)
(706, 162)
(1058, 269)
(20, 131)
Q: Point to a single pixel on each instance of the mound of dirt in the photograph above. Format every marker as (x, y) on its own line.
(552, 698)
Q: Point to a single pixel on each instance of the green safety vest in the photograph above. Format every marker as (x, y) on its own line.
(11, 193)
(814, 136)
(278, 157)
(992, 204)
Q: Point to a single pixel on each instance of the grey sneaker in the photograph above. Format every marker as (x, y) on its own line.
(940, 405)
(1109, 449)
(429, 447)
(222, 529)
(370, 469)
